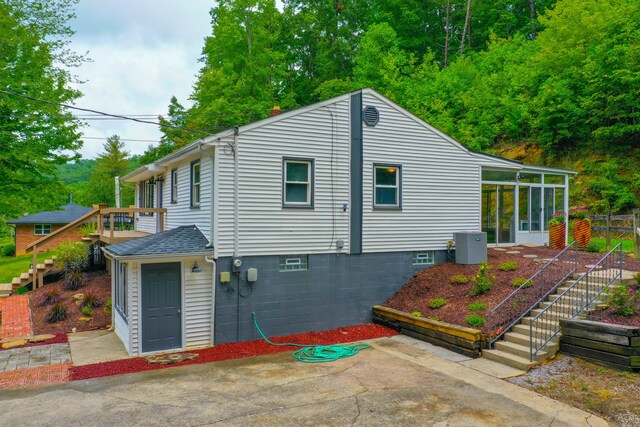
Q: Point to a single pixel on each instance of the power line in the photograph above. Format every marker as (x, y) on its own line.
(121, 139)
(101, 113)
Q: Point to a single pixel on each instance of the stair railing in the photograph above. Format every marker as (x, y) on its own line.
(574, 299)
(526, 297)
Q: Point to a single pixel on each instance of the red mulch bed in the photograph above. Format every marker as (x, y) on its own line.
(98, 284)
(57, 339)
(236, 350)
(435, 282)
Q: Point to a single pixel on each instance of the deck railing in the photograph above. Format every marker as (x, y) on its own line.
(121, 219)
(577, 297)
(526, 297)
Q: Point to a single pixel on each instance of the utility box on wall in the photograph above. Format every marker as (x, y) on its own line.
(471, 247)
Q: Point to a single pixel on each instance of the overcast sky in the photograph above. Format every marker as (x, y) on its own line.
(143, 52)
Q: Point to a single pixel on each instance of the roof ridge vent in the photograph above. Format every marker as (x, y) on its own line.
(370, 115)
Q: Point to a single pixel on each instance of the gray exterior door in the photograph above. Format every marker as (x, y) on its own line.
(161, 307)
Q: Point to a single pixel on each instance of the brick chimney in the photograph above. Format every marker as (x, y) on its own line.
(275, 111)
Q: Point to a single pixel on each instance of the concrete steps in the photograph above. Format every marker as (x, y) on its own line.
(506, 358)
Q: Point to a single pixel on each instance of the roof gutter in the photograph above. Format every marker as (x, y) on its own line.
(110, 254)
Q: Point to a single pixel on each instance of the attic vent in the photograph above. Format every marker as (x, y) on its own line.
(370, 115)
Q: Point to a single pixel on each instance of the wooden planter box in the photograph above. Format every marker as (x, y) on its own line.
(467, 341)
(615, 346)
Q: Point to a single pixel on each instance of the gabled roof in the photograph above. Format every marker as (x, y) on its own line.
(67, 214)
(187, 239)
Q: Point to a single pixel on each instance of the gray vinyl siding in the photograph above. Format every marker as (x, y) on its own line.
(198, 301)
(181, 212)
(440, 184)
(265, 226)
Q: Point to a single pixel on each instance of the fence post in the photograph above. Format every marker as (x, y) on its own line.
(608, 231)
(636, 234)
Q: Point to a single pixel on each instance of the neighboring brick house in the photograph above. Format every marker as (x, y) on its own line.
(33, 227)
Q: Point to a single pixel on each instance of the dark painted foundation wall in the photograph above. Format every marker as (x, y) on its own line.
(336, 290)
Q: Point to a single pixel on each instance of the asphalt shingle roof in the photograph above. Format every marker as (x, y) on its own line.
(180, 240)
(67, 214)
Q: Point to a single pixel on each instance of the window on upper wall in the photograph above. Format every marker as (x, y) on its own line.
(174, 186)
(41, 229)
(195, 184)
(387, 186)
(294, 262)
(146, 196)
(297, 185)
(120, 297)
(422, 258)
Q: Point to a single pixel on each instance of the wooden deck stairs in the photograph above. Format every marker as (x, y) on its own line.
(26, 278)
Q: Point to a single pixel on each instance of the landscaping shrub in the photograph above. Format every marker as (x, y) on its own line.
(483, 282)
(86, 310)
(623, 300)
(74, 280)
(21, 290)
(519, 281)
(72, 255)
(57, 314)
(475, 320)
(416, 314)
(593, 247)
(477, 306)
(88, 228)
(107, 306)
(459, 279)
(50, 296)
(437, 302)
(508, 266)
(9, 250)
(90, 300)
(636, 277)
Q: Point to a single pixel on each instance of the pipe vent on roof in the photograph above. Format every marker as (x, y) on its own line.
(370, 115)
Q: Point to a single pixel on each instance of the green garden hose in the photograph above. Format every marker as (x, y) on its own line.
(312, 353)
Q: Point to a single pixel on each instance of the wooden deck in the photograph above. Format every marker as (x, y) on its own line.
(118, 236)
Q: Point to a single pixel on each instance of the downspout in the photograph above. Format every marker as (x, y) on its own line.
(213, 297)
(213, 182)
(236, 221)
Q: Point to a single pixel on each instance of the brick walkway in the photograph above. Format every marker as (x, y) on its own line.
(33, 377)
(16, 317)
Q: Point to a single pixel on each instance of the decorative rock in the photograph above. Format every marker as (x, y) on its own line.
(167, 359)
(590, 266)
(40, 338)
(78, 297)
(84, 319)
(14, 344)
(513, 252)
(530, 256)
(500, 249)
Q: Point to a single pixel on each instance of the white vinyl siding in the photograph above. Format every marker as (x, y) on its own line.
(265, 227)
(134, 308)
(440, 184)
(146, 223)
(181, 213)
(195, 180)
(198, 302)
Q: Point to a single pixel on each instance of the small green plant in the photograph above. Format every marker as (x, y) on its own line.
(558, 217)
(636, 277)
(86, 310)
(593, 247)
(475, 320)
(90, 300)
(578, 212)
(483, 282)
(437, 302)
(519, 281)
(50, 296)
(57, 314)
(516, 303)
(22, 290)
(417, 314)
(459, 279)
(623, 300)
(74, 280)
(508, 266)
(107, 306)
(434, 318)
(477, 306)
(9, 250)
(88, 228)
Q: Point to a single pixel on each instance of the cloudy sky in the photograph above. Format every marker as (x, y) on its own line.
(143, 52)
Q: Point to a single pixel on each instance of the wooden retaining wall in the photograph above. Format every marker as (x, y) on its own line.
(615, 346)
(467, 341)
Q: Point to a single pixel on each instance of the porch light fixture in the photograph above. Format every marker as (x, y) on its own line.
(196, 268)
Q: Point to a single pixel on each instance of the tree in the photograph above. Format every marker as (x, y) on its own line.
(174, 133)
(113, 162)
(35, 137)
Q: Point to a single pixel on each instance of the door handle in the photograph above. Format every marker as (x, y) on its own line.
(179, 311)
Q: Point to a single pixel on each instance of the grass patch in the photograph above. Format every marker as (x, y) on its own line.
(601, 244)
(11, 267)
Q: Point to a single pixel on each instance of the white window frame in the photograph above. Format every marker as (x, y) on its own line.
(195, 185)
(289, 263)
(423, 258)
(309, 183)
(174, 185)
(397, 187)
(43, 228)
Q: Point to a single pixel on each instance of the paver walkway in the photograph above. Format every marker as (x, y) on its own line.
(33, 357)
(16, 317)
(33, 377)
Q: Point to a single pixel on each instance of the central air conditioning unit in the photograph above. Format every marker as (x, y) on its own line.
(471, 247)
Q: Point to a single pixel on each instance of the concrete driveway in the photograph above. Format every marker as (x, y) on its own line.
(391, 384)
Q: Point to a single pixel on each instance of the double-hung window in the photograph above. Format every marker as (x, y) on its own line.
(297, 183)
(387, 186)
(174, 186)
(41, 229)
(195, 184)
(146, 196)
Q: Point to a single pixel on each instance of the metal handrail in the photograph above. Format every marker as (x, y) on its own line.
(575, 309)
(533, 289)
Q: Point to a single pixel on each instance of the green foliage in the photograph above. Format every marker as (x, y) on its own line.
(22, 290)
(593, 247)
(107, 306)
(578, 212)
(460, 279)
(109, 164)
(87, 311)
(58, 313)
(636, 277)
(557, 217)
(90, 300)
(483, 282)
(508, 266)
(622, 300)
(88, 228)
(416, 313)
(437, 302)
(74, 279)
(475, 320)
(72, 255)
(477, 306)
(519, 281)
(9, 250)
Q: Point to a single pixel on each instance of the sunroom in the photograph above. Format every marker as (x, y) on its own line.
(518, 203)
